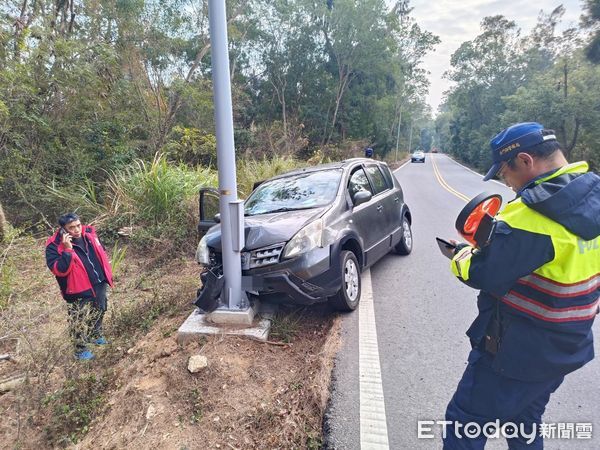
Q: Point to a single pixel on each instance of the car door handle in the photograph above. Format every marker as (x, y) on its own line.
(380, 208)
(396, 199)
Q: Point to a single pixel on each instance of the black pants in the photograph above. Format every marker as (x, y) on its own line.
(85, 317)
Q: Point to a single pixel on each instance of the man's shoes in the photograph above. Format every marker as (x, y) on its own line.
(100, 341)
(84, 355)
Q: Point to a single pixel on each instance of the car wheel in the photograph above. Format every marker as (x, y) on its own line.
(404, 247)
(348, 296)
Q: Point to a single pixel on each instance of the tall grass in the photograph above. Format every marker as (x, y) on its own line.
(83, 198)
(156, 192)
(157, 199)
(117, 257)
(251, 171)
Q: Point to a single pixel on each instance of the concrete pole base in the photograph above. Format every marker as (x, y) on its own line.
(235, 323)
(231, 317)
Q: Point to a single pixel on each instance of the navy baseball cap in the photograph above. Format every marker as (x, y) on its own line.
(513, 140)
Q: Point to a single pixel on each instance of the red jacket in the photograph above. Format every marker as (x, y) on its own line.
(68, 268)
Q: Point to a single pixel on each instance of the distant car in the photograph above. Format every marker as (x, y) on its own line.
(311, 232)
(418, 156)
(434, 150)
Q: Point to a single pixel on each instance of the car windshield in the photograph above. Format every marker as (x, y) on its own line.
(304, 191)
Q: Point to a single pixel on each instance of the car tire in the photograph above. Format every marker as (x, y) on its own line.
(348, 297)
(405, 246)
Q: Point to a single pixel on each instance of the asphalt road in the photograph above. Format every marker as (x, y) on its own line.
(421, 315)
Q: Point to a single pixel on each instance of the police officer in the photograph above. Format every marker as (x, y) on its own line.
(540, 284)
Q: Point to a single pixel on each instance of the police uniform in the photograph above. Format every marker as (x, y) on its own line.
(540, 285)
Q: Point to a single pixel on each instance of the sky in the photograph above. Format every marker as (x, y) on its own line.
(457, 21)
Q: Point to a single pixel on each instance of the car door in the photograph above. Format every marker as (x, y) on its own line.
(395, 202)
(368, 218)
(384, 194)
(208, 208)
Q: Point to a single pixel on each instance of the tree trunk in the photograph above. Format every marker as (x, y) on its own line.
(570, 147)
(3, 225)
(341, 90)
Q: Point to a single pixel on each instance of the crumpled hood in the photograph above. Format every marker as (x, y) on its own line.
(571, 197)
(267, 229)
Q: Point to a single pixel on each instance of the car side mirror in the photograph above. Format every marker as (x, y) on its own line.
(361, 197)
(217, 218)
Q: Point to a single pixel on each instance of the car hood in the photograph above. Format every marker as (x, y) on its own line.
(268, 229)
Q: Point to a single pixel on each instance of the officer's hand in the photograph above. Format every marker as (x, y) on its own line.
(66, 241)
(459, 245)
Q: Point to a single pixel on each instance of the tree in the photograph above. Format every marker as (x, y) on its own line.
(591, 21)
(502, 78)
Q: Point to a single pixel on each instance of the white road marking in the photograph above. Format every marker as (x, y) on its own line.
(373, 424)
(401, 166)
(471, 170)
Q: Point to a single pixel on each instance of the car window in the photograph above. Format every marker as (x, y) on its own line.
(379, 183)
(388, 175)
(210, 206)
(358, 182)
(303, 191)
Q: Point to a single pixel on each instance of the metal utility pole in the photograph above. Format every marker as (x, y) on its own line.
(398, 135)
(410, 138)
(231, 209)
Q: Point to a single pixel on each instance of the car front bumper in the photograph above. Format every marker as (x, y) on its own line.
(306, 279)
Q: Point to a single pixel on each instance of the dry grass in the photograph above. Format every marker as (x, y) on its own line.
(138, 393)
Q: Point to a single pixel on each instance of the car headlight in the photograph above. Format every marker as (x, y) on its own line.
(202, 253)
(313, 235)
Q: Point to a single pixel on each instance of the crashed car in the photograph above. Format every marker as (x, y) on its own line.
(309, 233)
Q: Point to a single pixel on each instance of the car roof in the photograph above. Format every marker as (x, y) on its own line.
(329, 166)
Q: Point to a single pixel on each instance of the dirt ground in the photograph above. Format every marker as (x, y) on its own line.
(138, 393)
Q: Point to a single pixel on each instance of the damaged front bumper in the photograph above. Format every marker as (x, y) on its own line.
(307, 279)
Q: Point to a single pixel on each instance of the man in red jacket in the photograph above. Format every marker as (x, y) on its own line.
(77, 259)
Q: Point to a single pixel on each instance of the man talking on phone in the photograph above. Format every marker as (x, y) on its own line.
(77, 259)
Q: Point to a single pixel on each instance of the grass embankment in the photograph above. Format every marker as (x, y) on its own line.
(138, 393)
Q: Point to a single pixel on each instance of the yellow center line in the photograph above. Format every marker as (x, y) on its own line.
(445, 185)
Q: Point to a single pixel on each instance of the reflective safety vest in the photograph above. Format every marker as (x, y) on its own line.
(565, 289)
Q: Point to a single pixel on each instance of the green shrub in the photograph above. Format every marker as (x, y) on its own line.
(192, 146)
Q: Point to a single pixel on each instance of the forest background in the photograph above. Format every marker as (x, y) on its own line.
(99, 97)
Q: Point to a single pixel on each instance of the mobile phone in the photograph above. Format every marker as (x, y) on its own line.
(447, 248)
(63, 232)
